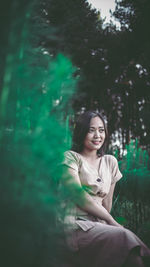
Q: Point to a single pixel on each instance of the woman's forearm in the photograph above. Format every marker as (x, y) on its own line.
(90, 206)
(107, 204)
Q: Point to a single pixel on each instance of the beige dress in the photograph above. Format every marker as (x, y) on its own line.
(99, 243)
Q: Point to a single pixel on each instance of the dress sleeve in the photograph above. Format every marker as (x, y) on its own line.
(71, 160)
(116, 174)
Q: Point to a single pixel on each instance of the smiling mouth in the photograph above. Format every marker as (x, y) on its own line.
(96, 142)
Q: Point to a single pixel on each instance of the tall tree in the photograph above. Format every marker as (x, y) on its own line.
(134, 77)
(79, 33)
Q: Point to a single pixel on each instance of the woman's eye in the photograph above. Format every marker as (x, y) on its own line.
(91, 130)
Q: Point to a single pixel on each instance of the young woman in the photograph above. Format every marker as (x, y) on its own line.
(93, 233)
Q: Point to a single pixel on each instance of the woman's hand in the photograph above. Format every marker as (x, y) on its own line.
(114, 223)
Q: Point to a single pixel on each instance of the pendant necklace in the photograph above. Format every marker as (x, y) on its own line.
(99, 179)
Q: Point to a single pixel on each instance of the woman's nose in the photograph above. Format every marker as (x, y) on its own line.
(97, 133)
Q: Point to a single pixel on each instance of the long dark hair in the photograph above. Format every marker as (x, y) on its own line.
(81, 129)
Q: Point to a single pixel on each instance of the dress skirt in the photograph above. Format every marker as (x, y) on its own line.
(97, 244)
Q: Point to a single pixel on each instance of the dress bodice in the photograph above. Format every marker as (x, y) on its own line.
(96, 182)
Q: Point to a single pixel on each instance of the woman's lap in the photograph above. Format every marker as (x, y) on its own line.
(105, 245)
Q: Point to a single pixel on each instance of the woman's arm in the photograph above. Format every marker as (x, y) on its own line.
(107, 202)
(89, 205)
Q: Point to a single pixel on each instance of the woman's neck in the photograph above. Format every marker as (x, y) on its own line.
(90, 154)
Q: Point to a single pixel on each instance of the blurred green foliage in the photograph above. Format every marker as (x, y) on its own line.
(35, 97)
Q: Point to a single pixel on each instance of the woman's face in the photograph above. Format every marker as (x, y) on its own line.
(96, 135)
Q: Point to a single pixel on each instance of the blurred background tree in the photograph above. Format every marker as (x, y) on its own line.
(134, 78)
(112, 63)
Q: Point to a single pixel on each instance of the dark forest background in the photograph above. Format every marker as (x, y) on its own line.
(112, 64)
